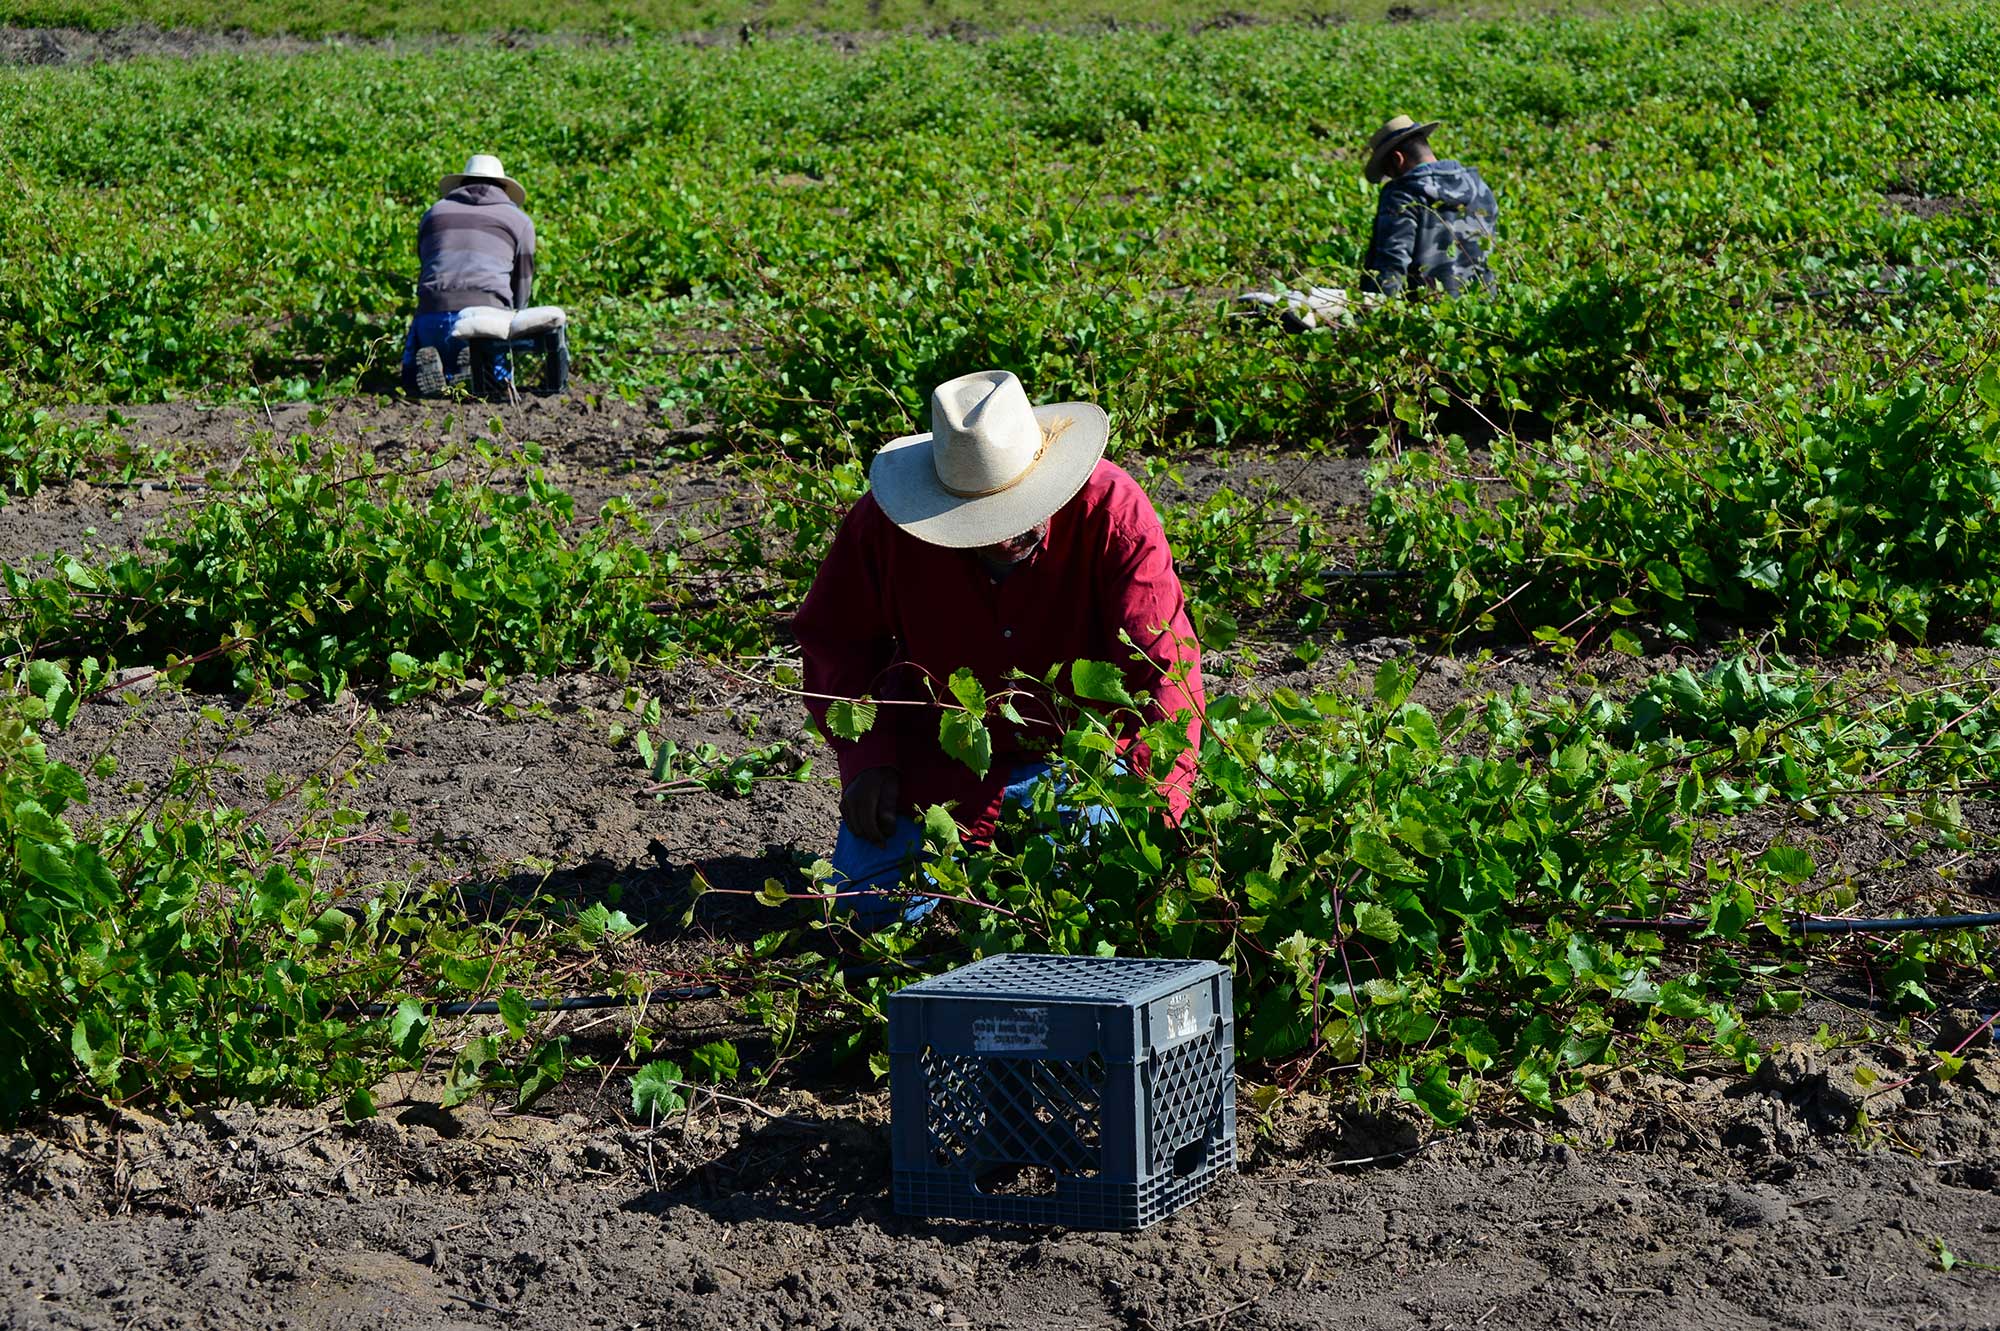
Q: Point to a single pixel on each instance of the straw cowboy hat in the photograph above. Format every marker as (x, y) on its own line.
(484, 167)
(992, 466)
(1390, 137)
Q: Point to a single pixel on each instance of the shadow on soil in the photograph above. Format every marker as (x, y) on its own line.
(813, 1170)
(657, 892)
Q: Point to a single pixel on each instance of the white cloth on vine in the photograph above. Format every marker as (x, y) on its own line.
(490, 321)
(1302, 311)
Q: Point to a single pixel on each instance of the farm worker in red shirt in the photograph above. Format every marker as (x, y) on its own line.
(999, 541)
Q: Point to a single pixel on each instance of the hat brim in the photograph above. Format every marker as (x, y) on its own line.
(905, 483)
(1395, 141)
(447, 184)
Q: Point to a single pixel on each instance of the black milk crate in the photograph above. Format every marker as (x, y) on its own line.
(1093, 1092)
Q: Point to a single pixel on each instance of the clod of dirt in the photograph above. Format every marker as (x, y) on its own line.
(1753, 1207)
(132, 681)
(1377, 650)
(1227, 20)
(1926, 207)
(1853, 1085)
(1963, 1027)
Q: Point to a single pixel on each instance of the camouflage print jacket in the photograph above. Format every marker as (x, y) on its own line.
(1432, 229)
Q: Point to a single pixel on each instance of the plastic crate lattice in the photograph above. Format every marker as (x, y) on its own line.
(1188, 1080)
(1110, 1080)
(1039, 1111)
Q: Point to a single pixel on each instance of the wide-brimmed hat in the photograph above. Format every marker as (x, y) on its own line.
(484, 167)
(1390, 137)
(992, 465)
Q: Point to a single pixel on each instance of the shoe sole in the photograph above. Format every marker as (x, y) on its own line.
(430, 373)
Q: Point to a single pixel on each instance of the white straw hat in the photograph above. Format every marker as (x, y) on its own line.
(484, 166)
(992, 466)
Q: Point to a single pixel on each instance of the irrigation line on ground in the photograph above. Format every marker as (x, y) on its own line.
(1896, 924)
(490, 1007)
(574, 1003)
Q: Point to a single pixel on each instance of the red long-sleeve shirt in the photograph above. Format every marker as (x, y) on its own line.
(887, 610)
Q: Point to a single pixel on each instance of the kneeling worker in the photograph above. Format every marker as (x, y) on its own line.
(1434, 220)
(476, 247)
(999, 541)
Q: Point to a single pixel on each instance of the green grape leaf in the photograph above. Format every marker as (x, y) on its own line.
(965, 737)
(514, 1011)
(850, 718)
(971, 694)
(656, 1091)
(1099, 681)
(409, 1026)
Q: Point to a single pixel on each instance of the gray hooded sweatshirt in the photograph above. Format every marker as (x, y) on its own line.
(476, 248)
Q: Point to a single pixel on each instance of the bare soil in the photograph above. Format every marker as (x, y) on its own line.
(73, 46)
(584, 428)
(1813, 1196)
(86, 46)
(1700, 1204)
(1926, 207)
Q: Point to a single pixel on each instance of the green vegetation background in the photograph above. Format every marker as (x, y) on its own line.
(1692, 202)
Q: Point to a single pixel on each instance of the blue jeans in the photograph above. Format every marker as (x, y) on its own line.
(434, 330)
(873, 872)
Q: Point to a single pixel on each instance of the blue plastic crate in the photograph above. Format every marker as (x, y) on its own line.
(1093, 1092)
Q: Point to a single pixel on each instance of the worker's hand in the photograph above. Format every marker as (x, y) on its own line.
(868, 805)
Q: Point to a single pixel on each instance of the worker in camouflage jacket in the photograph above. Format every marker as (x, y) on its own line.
(1434, 222)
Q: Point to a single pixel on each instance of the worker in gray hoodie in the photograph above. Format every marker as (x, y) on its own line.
(1434, 222)
(475, 247)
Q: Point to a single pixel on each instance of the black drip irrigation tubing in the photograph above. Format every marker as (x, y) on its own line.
(1896, 924)
(490, 1007)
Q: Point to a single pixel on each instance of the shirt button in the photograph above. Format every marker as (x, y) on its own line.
(1006, 633)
